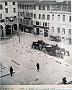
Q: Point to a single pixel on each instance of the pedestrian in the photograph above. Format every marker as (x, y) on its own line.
(64, 80)
(68, 53)
(38, 66)
(11, 70)
(32, 46)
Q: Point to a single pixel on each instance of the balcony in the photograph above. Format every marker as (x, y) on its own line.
(26, 17)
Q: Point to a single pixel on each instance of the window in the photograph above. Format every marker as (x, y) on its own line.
(52, 29)
(39, 7)
(23, 7)
(14, 10)
(6, 10)
(20, 13)
(34, 7)
(48, 24)
(48, 17)
(34, 15)
(14, 18)
(0, 16)
(69, 31)
(58, 17)
(58, 30)
(52, 16)
(48, 7)
(21, 20)
(69, 18)
(13, 3)
(63, 30)
(7, 18)
(20, 7)
(37, 23)
(43, 16)
(45, 24)
(63, 17)
(31, 7)
(31, 22)
(28, 14)
(23, 13)
(43, 7)
(5, 3)
(0, 6)
(39, 16)
(27, 7)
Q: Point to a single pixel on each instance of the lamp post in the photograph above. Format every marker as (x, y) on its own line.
(18, 31)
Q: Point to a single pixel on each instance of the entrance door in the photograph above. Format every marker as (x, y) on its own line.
(45, 33)
(8, 30)
(2, 33)
(37, 31)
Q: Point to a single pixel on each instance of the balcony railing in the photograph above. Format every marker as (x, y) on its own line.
(56, 9)
(26, 17)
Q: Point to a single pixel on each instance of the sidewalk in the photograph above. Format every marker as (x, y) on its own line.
(69, 81)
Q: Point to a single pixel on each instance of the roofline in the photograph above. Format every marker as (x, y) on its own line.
(45, 4)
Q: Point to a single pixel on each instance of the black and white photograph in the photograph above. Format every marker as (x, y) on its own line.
(35, 42)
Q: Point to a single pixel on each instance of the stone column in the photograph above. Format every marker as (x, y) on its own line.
(4, 30)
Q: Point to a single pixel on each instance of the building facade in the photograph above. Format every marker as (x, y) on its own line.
(44, 18)
(47, 18)
(9, 17)
(2, 20)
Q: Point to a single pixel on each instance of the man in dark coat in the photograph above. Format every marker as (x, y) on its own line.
(64, 80)
(11, 70)
(38, 66)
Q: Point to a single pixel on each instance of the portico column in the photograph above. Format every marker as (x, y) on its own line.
(4, 31)
(11, 30)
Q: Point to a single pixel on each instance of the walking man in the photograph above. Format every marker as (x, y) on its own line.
(38, 66)
(11, 70)
(64, 80)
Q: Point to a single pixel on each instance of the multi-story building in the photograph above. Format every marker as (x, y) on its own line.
(8, 17)
(47, 18)
(2, 19)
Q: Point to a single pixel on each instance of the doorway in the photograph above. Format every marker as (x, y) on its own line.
(8, 29)
(2, 33)
(37, 31)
